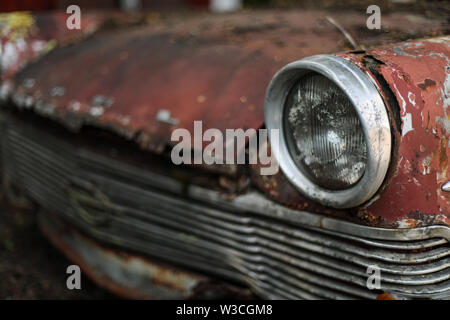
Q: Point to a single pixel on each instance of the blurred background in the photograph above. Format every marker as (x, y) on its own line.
(423, 6)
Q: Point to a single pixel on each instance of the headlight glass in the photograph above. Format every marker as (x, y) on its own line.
(324, 133)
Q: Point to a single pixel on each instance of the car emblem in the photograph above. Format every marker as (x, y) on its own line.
(89, 203)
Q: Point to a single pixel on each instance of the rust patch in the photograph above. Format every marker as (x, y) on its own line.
(422, 218)
(200, 68)
(385, 296)
(417, 73)
(128, 275)
(443, 159)
(195, 66)
(427, 83)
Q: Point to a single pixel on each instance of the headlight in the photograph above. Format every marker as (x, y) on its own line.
(335, 135)
(324, 134)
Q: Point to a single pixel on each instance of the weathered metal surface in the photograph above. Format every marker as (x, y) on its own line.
(216, 69)
(130, 275)
(418, 74)
(385, 296)
(413, 78)
(446, 187)
(145, 82)
(201, 67)
(278, 188)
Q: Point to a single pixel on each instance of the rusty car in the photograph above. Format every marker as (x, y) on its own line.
(86, 120)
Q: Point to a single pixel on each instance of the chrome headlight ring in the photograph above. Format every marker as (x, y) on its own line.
(369, 105)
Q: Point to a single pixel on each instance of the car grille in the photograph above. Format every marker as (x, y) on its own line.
(278, 252)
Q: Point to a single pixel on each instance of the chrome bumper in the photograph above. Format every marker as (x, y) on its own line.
(279, 253)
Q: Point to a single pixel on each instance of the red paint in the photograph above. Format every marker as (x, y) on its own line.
(416, 73)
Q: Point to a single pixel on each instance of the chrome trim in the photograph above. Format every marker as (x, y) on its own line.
(371, 110)
(136, 278)
(256, 203)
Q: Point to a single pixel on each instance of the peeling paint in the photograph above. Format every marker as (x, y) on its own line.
(418, 71)
(407, 124)
(445, 92)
